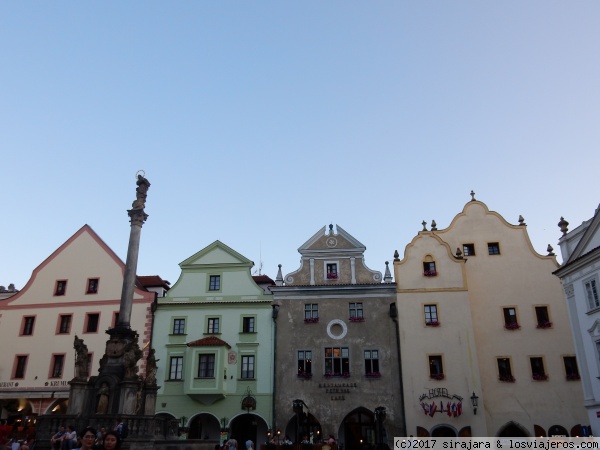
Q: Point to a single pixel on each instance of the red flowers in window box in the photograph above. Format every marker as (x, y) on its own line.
(305, 375)
(430, 273)
(332, 276)
(512, 326)
(311, 320)
(544, 325)
(573, 377)
(507, 378)
(357, 319)
(437, 376)
(539, 376)
(373, 375)
(432, 323)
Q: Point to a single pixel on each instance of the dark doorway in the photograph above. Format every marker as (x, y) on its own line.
(513, 430)
(443, 431)
(359, 430)
(204, 426)
(244, 427)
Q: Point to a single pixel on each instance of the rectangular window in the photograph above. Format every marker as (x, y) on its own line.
(436, 368)
(431, 315)
(248, 367)
(542, 317)
(332, 271)
(311, 311)
(178, 326)
(57, 366)
(65, 324)
(429, 269)
(591, 293)
(538, 372)
(92, 320)
(248, 325)
(28, 322)
(20, 366)
(469, 249)
(504, 370)
(510, 318)
(61, 287)
(337, 361)
(571, 369)
(493, 248)
(176, 368)
(372, 363)
(206, 366)
(92, 287)
(214, 283)
(356, 311)
(304, 363)
(213, 325)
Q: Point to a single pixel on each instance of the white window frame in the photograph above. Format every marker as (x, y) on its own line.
(591, 293)
(337, 269)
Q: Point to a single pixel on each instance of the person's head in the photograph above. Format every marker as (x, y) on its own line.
(71, 428)
(88, 438)
(111, 441)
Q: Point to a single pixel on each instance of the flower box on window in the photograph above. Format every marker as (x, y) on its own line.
(332, 276)
(346, 375)
(311, 320)
(544, 325)
(573, 377)
(437, 376)
(506, 378)
(432, 323)
(305, 375)
(430, 273)
(357, 319)
(373, 375)
(539, 376)
(512, 326)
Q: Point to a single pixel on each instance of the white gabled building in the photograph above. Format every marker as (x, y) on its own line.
(580, 276)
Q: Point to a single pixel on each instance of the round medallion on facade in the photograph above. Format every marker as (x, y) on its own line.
(331, 242)
(337, 329)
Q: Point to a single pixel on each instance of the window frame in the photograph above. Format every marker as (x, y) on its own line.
(331, 270)
(60, 288)
(214, 283)
(336, 361)
(249, 324)
(431, 316)
(20, 366)
(505, 374)
(86, 325)
(92, 286)
(62, 318)
(28, 325)
(469, 250)
(371, 361)
(304, 363)
(311, 311)
(178, 326)
(57, 365)
(248, 367)
(210, 325)
(542, 316)
(206, 365)
(435, 366)
(591, 293)
(175, 368)
(429, 269)
(538, 368)
(571, 375)
(510, 324)
(356, 311)
(494, 248)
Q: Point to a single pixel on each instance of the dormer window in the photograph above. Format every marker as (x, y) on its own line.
(331, 271)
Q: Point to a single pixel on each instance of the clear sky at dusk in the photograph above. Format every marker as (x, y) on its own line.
(258, 123)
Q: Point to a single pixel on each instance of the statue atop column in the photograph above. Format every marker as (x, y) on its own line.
(81, 359)
(141, 192)
(132, 354)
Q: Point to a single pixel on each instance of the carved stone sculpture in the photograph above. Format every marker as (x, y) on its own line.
(81, 359)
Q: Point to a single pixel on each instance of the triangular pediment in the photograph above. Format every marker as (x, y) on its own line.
(209, 341)
(216, 254)
(329, 240)
(590, 239)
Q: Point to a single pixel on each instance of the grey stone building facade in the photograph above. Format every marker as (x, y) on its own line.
(337, 369)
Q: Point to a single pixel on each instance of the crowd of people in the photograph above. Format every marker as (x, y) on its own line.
(88, 439)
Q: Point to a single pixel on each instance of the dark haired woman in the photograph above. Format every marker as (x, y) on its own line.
(111, 441)
(88, 438)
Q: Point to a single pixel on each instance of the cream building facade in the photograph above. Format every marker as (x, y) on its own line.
(483, 321)
(76, 291)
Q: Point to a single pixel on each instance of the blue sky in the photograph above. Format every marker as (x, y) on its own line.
(257, 123)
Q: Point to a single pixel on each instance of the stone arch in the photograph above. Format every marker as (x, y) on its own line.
(311, 426)
(248, 426)
(558, 430)
(422, 432)
(443, 430)
(203, 426)
(512, 429)
(358, 429)
(58, 406)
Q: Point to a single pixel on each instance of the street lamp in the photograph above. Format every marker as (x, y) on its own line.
(474, 400)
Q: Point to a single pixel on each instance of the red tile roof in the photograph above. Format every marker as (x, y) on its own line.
(153, 281)
(209, 341)
(258, 279)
